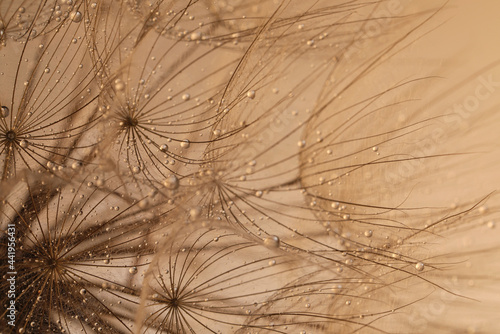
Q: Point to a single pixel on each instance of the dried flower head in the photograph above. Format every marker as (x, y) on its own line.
(247, 167)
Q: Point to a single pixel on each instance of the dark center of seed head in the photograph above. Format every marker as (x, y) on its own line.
(131, 121)
(11, 135)
(174, 302)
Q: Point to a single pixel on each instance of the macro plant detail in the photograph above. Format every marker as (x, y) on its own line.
(271, 166)
(49, 96)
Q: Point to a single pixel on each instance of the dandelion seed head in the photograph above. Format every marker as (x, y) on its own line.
(141, 97)
(11, 135)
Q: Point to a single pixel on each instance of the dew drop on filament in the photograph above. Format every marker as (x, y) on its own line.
(4, 112)
(24, 144)
(76, 16)
(272, 241)
(171, 182)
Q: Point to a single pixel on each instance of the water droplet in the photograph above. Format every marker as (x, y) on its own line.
(258, 193)
(186, 97)
(368, 233)
(119, 85)
(194, 213)
(133, 270)
(273, 241)
(251, 94)
(272, 262)
(195, 36)
(185, 144)
(76, 165)
(24, 144)
(136, 170)
(164, 148)
(419, 266)
(171, 182)
(144, 203)
(4, 112)
(76, 16)
(301, 143)
(83, 292)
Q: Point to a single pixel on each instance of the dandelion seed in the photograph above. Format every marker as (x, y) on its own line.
(316, 239)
